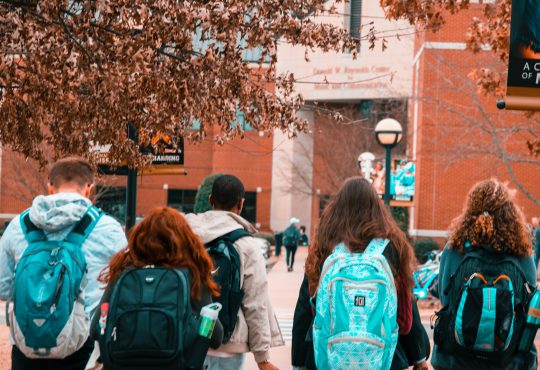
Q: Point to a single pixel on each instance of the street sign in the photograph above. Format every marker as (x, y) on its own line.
(167, 157)
(523, 87)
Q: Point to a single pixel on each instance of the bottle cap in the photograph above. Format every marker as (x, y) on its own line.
(211, 310)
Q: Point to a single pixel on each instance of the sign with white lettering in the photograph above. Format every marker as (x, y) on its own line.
(167, 157)
(523, 89)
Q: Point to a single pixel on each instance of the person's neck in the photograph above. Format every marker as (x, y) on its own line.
(69, 189)
(227, 210)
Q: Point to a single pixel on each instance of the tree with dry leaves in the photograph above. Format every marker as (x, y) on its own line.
(73, 73)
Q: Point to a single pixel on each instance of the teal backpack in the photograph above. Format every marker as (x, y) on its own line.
(47, 317)
(355, 324)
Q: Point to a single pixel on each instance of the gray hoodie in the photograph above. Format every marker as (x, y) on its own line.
(56, 215)
(257, 328)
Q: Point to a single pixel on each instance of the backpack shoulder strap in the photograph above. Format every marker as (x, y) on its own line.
(234, 235)
(376, 246)
(31, 232)
(85, 226)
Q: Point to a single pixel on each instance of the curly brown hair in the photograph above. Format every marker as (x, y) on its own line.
(355, 216)
(491, 218)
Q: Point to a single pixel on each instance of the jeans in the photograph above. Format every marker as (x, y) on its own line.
(291, 251)
(235, 362)
(76, 361)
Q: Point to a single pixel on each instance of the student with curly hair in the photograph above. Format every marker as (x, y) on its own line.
(486, 278)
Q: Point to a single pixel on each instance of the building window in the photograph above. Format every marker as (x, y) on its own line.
(181, 199)
(355, 21)
(355, 18)
(239, 121)
(250, 207)
(112, 200)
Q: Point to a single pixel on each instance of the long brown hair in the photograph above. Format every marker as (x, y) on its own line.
(165, 239)
(491, 218)
(355, 216)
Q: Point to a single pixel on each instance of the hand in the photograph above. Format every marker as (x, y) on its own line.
(266, 366)
(422, 366)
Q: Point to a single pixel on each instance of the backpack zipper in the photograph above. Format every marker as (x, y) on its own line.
(374, 342)
(113, 334)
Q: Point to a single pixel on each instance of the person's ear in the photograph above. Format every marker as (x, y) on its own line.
(241, 205)
(88, 190)
(51, 189)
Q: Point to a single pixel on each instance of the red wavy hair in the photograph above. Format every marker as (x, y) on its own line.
(165, 239)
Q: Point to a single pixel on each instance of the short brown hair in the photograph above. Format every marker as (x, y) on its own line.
(71, 170)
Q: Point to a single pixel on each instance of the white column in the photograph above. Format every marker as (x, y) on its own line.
(292, 178)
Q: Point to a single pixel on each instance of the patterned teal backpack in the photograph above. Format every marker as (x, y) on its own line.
(355, 324)
(47, 318)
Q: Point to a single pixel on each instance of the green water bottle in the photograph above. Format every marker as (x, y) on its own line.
(207, 322)
(209, 316)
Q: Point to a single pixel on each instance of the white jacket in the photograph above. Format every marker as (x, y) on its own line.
(257, 328)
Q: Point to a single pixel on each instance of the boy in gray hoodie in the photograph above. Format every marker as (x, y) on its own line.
(70, 183)
(257, 328)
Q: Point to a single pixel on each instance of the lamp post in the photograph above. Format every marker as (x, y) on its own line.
(388, 133)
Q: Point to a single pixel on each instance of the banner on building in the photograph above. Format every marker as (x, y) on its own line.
(523, 88)
(402, 181)
(166, 157)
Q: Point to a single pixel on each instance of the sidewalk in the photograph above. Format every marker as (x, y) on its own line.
(283, 287)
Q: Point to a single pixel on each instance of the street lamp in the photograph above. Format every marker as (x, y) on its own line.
(388, 133)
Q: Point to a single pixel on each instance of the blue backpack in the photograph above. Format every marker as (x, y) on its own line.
(47, 318)
(355, 324)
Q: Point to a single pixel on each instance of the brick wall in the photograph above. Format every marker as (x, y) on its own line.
(460, 133)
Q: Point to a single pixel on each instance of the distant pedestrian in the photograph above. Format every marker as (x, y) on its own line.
(291, 239)
(279, 243)
(486, 277)
(145, 282)
(304, 240)
(359, 271)
(52, 255)
(254, 325)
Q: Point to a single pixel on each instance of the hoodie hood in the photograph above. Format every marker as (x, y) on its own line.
(213, 224)
(55, 212)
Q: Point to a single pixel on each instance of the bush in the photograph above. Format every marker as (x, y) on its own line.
(401, 215)
(423, 247)
(202, 204)
(266, 236)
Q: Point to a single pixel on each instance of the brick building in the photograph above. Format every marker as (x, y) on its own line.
(458, 137)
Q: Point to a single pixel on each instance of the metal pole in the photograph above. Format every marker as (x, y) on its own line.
(131, 187)
(388, 173)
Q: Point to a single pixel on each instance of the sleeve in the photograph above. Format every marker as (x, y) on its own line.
(415, 344)
(254, 304)
(444, 279)
(7, 261)
(303, 317)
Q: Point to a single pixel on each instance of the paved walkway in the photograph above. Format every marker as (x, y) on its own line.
(283, 287)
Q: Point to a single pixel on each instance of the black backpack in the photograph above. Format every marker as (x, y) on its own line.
(488, 298)
(227, 276)
(150, 324)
